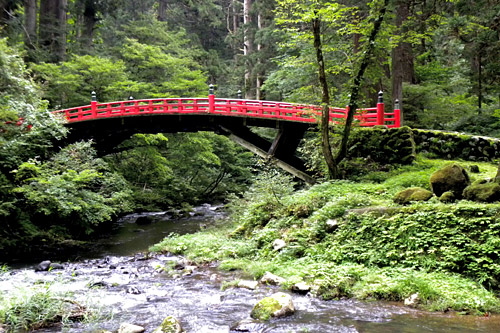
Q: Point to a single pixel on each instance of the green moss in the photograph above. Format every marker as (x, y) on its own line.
(412, 194)
(169, 325)
(482, 192)
(265, 308)
(452, 178)
(447, 197)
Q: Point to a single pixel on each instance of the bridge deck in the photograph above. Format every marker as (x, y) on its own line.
(226, 107)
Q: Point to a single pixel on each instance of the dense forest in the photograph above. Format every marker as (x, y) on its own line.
(439, 59)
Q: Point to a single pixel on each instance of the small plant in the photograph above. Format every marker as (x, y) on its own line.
(38, 307)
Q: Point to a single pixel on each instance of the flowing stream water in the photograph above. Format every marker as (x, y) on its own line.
(129, 287)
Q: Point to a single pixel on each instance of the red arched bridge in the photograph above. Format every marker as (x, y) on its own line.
(108, 124)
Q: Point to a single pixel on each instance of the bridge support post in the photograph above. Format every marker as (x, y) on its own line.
(211, 99)
(397, 114)
(93, 104)
(380, 109)
(280, 152)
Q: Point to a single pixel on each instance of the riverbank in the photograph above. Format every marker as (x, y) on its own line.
(348, 239)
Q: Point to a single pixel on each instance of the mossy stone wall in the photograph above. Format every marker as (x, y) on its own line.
(383, 145)
(452, 145)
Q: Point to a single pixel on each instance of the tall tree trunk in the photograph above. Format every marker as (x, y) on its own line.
(402, 57)
(325, 101)
(52, 28)
(89, 22)
(62, 18)
(248, 47)
(162, 10)
(353, 104)
(236, 15)
(259, 75)
(479, 82)
(30, 18)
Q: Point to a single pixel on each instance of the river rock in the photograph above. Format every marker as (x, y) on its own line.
(278, 244)
(144, 220)
(247, 325)
(133, 290)
(190, 268)
(130, 328)
(277, 305)
(56, 266)
(247, 284)
(412, 300)
(270, 278)
(169, 325)
(301, 288)
(43, 266)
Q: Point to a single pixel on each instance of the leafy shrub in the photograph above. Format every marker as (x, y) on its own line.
(74, 189)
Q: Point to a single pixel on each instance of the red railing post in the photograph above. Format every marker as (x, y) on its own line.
(380, 108)
(93, 105)
(211, 99)
(397, 114)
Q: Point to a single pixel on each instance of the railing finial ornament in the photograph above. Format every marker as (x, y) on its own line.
(94, 96)
(380, 97)
(211, 89)
(396, 104)
(240, 94)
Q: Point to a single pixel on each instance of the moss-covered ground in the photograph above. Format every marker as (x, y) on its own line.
(349, 239)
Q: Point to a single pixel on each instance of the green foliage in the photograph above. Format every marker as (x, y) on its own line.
(148, 61)
(72, 82)
(34, 308)
(168, 170)
(346, 240)
(73, 189)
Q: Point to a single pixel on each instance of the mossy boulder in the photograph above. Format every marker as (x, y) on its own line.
(169, 325)
(452, 178)
(482, 192)
(447, 197)
(412, 194)
(277, 305)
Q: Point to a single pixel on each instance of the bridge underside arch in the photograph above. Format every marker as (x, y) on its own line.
(108, 133)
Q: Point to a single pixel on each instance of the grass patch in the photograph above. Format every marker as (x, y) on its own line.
(447, 253)
(28, 309)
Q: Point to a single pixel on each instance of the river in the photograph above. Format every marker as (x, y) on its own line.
(123, 286)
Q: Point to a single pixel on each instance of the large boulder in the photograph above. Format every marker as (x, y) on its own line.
(482, 192)
(277, 305)
(412, 194)
(169, 325)
(452, 178)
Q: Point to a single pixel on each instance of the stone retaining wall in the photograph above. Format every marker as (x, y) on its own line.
(453, 145)
(383, 145)
(399, 145)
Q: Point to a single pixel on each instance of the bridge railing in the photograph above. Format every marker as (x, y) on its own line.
(228, 107)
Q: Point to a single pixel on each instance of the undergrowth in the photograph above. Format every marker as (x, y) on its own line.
(348, 239)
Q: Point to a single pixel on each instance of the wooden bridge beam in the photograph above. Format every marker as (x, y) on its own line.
(281, 157)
